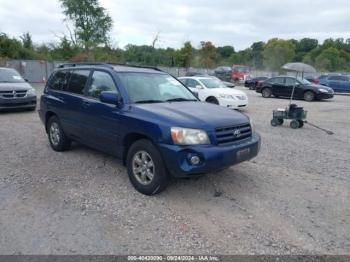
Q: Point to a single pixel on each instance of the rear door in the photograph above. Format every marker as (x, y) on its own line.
(101, 121)
(73, 96)
(278, 86)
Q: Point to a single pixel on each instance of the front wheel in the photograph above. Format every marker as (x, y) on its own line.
(294, 124)
(309, 96)
(146, 170)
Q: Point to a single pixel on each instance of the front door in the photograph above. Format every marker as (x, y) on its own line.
(101, 120)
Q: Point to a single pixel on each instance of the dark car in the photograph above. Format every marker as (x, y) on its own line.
(252, 83)
(339, 83)
(145, 117)
(15, 92)
(224, 73)
(282, 86)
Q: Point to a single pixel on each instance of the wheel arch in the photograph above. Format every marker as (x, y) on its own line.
(131, 138)
(48, 115)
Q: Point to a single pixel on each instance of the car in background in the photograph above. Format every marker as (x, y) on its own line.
(282, 86)
(339, 83)
(239, 73)
(215, 91)
(15, 92)
(146, 118)
(226, 83)
(252, 83)
(223, 73)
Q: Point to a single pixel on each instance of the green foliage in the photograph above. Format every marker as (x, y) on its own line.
(92, 23)
(225, 51)
(278, 52)
(208, 54)
(184, 56)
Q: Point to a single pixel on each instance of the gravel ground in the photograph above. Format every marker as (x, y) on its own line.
(292, 199)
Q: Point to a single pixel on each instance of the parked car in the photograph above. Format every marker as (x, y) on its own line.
(223, 73)
(339, 83)
(240, 73)
(227, 84)
(282, 86)
(214, 91)
(15, 92)
(145, 117)
(251, 83)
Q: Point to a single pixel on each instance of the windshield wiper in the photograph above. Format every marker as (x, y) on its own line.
(149, 101)
(180, 99)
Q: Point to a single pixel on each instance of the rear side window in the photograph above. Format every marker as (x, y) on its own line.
(100, 81)
(59, 80)
(191, 83)
(277, 81)
(77, 81)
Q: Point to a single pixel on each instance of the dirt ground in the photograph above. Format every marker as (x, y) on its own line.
(292, 199)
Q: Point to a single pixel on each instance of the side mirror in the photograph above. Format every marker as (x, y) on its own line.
(25, 79)
(112, 98)
(199, 87)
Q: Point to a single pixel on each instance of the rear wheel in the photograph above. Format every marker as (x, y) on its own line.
(58, 140)
(294, 124)
(309, 96)
(266, 92)
(212, 100)
(274, 122)
(301, 123)
(146, 170)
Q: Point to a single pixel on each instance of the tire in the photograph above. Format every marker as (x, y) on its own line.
(280, 121)
(309, 96)
(212, 100)
(274, 122)
(294, 124)
(266, 92)
(32, 108)
(301, 123)
(146, 169)
(57, 138)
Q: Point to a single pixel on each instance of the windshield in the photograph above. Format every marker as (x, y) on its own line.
(8, 75)
(154, 88)
(212, 83)
(304, 81)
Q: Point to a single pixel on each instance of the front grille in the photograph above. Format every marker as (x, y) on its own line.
(13, 94)
(230, 134)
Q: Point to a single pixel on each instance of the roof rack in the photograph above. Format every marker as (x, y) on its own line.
(109, 65)
(137, 66)
(84, 64)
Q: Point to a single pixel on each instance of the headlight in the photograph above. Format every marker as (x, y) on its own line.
(31, 92)
(226, 96)
(189, 136)
(323, 90)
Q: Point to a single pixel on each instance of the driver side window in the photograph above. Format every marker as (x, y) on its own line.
(100, 81)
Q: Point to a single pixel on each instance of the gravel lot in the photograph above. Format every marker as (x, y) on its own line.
(292, 199)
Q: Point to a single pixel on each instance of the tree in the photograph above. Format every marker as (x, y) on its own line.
(225, 51)
(278, 52)
(208, 54)
(91, 22)
(257, 54)
(184, 56)
(27, 40)
(331, 59)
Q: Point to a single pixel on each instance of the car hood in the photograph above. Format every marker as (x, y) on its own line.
(190, 114)
(226, 91)
(14, 86)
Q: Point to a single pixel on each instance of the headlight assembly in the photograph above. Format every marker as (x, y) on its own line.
(189, 136)
(31, 92)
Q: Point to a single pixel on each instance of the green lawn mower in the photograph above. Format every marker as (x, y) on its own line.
(294, 113)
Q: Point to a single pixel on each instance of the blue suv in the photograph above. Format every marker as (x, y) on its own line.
(145, 117)
(339, 83)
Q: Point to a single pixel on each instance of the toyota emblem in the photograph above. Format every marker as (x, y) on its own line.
(237, 133)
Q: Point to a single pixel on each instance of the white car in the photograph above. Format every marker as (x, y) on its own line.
(214, 91)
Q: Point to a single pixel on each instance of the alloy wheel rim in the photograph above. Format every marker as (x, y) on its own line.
(143, 167)
(55, 134)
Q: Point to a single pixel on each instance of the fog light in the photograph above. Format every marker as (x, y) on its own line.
(195, 160)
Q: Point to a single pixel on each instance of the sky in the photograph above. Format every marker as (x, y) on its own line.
(223, 22)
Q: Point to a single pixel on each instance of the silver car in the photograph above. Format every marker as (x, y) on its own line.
(15, 92)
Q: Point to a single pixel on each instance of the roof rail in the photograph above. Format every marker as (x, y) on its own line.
(137, 66)
(84, 64)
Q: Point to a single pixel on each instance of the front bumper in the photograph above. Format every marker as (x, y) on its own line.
(213, 158)
(324, 95)
(233, 103)
(25, 102)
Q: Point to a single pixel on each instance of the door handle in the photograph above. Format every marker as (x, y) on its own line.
(86, 104)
